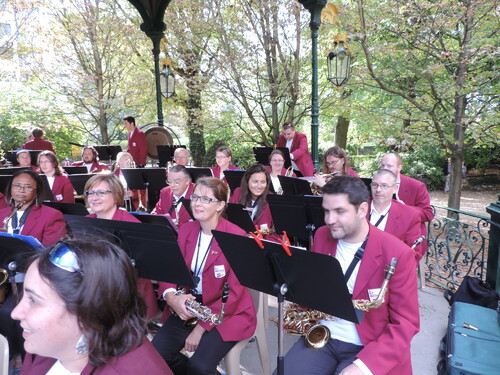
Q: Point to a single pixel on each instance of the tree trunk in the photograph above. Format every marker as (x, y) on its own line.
(341, 129)
(194, 124)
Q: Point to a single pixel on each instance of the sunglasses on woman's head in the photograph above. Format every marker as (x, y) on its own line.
(63, 257)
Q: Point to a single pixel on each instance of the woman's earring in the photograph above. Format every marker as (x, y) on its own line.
(81, 345)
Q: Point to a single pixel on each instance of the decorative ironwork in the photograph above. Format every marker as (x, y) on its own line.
(458, 245)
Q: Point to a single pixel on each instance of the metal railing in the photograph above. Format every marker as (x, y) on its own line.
(458, 247)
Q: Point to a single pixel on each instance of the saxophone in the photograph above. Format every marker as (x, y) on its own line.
(9, 216)
(302, 321)
(201, 312)
(288, 173)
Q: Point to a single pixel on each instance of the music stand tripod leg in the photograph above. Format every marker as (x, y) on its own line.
(281, 290)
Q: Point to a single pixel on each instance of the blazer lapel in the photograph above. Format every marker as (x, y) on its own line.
(370, 263)
(31, 220)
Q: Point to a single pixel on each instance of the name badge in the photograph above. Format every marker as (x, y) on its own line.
(264, 226)
(373, 294)
(219, 271)
(59, 197)
(133, 144)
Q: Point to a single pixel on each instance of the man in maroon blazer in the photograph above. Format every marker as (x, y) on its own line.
(24, 159)
(137, 145)
(410, 192)
(171, 197)
(90, 160)
(380, 343)
(38, 143)
(390, 215)
(299, 150)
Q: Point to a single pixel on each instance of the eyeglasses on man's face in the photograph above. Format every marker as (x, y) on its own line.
(384, 187)
(332, 163)
(99, 193)
(63, 257)
(19, 187)
(203, 199)
(176, 182)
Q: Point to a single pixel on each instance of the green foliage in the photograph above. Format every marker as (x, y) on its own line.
(482, 157)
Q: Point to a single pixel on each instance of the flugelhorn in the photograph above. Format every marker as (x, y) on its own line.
(9, 216)
(204, 313)
(299, 320)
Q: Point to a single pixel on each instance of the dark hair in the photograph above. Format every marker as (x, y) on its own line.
(245, 194)
(37, 133)
(114, 184)
(218, 188)
(338, 153)
(352, 186)
(35, 177)
(129, 119)
(94, 152)
(105, 299)
(53, 159)
(180, 168)
(289, 125)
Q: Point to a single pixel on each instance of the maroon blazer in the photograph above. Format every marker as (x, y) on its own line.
(39, 144)
(300, 152)
(165, 202)
(386, 332)
(145, 287)
(352, 172)
(3, 201)
(404, 223)
(63, 187)
(138, 147)
(44, 223)
(216, 171)
(96, 166)
(414, 193)
(239, 313)
(142, 360)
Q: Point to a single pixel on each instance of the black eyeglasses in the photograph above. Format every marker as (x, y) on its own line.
(204, 200)
(99, 193)
(63, 257)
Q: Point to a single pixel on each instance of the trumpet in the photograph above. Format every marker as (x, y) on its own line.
(204, 313)
(302, 321)
(9, 216)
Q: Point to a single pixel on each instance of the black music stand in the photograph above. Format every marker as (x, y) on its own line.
(150, 179)
(237, 214)
(10, 171)
(196, 172)
(153, 248)
(79, 181)
(164, 220)
(234, 177)
(295, 186)
(166, 153)
(294, 278)
(262, 155)
(367, 181)
(68, 208)
(12, 156)
(75, 169)
(114, 150)
(299, 216)
(4, 182)
(47, 191)
(187, 205)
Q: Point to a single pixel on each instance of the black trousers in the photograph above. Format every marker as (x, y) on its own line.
(11, 328)
(170, 340)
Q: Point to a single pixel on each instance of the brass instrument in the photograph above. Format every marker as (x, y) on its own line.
(4, 276)
(204, 313)
(9, 216)
(302, 321)
(316, 190)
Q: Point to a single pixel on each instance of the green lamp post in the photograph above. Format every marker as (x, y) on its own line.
(314, 7)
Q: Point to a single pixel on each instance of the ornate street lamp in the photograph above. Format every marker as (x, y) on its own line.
(167, 82)
(339, 62)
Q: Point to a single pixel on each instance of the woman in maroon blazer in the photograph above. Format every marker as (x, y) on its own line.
(223, 157)
(32, 219)
(211, 270)
(81, 313)
(277, 168)
(105, 195)
(59, 183)
(252, 194)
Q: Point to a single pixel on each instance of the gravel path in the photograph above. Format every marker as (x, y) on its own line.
(471, 201)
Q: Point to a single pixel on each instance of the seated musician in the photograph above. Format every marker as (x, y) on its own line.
(105, 195)
(181, 156)
(24, 159)
(132, 201)
(171, 200)
(252, 194)
(380, 344)
(81, 313)
(90, 159)
(390, 215)
(34, 219)
(277, 168)
(335, 163)
(223, 157)
(59, 183)
(211, 270)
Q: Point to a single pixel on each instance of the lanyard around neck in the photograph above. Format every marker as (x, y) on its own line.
(197, 269)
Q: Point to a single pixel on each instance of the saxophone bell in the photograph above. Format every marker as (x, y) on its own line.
(9, 216)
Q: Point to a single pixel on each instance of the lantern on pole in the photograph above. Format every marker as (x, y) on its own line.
(167, 82)
(339, 61)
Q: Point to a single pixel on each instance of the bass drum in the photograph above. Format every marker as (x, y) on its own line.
(157, 136)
